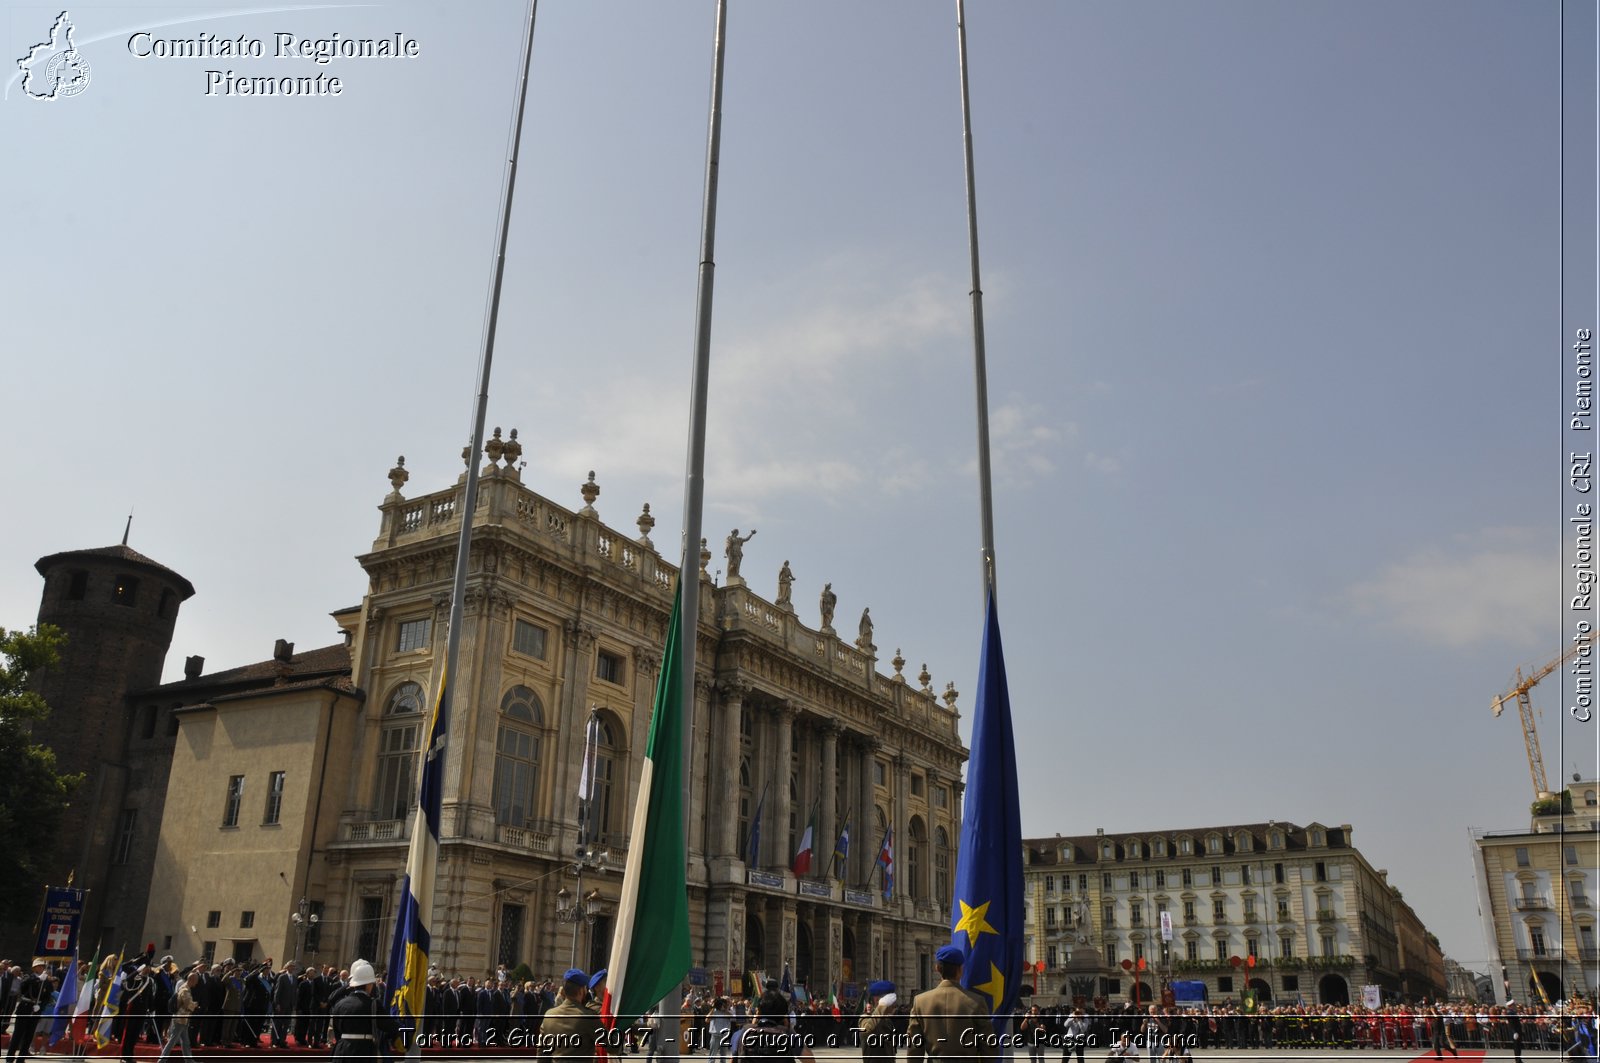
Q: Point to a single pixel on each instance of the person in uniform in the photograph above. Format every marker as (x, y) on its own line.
(32, 992)
(879, 1022)
(949, 1021)
(570, 1030)
(360, 1021)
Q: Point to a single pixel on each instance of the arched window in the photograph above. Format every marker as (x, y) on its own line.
(941, 865)
(916, 859)
(397, 752)
(516, 758)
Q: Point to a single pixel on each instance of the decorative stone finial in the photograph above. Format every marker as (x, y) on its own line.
(705, 559)
(590, 491)
(899, 663)
(494, 448)
(466, 454)
(926, 678)
(513, 451)
(950, 696)
(646, 522)
(398, 475)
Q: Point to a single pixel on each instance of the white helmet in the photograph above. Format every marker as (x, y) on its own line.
(361, 973)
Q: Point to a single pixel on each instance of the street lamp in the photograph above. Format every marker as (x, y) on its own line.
(304, 919)
(574, 906)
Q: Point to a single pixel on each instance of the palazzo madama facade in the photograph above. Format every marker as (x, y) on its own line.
(565, 619)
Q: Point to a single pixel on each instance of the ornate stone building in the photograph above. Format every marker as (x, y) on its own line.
(565, 618)
(1537, 890)
(1318, 920)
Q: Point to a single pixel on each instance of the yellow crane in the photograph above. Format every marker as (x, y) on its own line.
(1520, 685)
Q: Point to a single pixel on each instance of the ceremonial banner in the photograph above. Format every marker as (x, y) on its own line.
(58, 925)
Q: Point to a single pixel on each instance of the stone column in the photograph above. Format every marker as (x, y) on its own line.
(830, 813)
(726, 774)
(783, 719)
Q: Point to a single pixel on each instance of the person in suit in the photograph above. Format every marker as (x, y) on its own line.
(948, 1021)
(285, 998)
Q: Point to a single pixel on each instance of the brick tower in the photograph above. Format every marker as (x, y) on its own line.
(118, 609)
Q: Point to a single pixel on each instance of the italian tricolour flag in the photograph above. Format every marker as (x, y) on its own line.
(808, 846)
(650, 948)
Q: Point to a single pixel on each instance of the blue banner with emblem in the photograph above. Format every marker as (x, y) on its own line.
(58, 926)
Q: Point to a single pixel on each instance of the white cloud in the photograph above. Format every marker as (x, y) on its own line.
(1495, 587)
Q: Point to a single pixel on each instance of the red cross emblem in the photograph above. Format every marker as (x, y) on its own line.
(59, 937)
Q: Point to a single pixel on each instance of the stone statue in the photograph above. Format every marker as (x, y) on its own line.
(785, 584)
(1081, 920)
(865, 638)
(829, 600)
(736, 552)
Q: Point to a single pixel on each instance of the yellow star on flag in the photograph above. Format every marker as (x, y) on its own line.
(974, 923)
(994, 988)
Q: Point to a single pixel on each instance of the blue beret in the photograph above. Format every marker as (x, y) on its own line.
(879, 988)
(574, 975)
(599, 976)
(950, 954)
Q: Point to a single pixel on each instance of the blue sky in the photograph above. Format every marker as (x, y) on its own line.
(1273, 333)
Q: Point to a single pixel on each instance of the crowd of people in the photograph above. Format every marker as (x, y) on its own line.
(238, 1005)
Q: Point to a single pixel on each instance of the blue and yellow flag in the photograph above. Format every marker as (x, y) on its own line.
(407, 976)
(986, 918)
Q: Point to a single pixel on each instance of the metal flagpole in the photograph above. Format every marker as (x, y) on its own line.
(985, 482)
(694, 477)
(480, 411)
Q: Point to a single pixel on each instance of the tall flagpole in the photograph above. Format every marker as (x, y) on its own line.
(694, 476)
(422, 855)
(980, 368)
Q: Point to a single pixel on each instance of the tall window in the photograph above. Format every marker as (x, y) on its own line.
(915, 859)
(397, 752)
(1286, 946)
(371, 926)
(1133, 879)
(413, 635)
(274, 811)
(1522, 856)
(230, 804)
(1191, 950)
(130, 816)
(528, 639)
(125, 591)
(1219, 911)
(1188, 911)
(941, 865)
(510, 933)
(516, 758)
(1327, 945)
(1187, 878)
(607, 752)
(1161, 880)
(745, 809)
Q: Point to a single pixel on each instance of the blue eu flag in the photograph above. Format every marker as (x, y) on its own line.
(987, 915)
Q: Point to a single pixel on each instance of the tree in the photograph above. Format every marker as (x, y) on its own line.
(33, 794)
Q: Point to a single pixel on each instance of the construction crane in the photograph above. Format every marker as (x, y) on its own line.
(1519, 690)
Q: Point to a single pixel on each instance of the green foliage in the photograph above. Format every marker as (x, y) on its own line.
(521, 973)
(1554, 805)
(33, 793)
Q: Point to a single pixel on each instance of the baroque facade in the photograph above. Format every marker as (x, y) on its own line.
(1293, 913)
(1537, 889)
(565, 619)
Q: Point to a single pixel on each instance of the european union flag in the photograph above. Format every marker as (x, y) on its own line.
(988, 908)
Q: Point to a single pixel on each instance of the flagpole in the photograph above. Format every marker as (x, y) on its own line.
(980, 368)
(694, 475)
(833, 861)
(441, 727)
